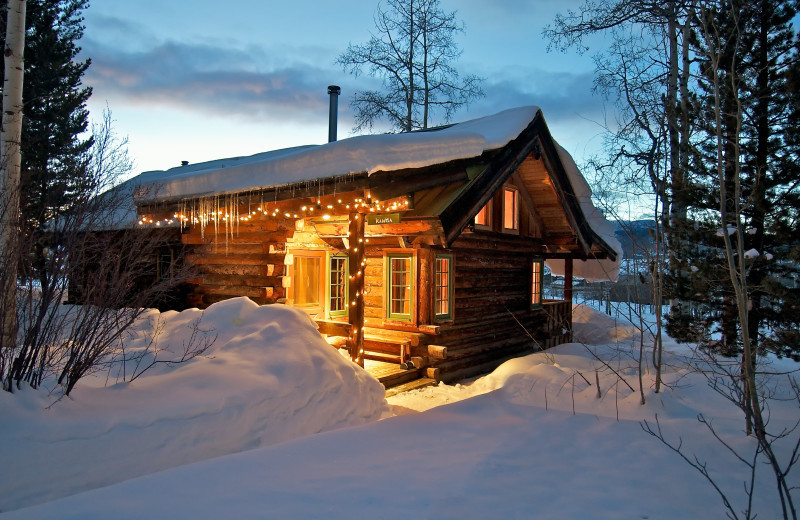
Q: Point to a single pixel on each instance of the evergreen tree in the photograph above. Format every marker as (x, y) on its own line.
(55, 116)
(770, 158)
(754, 52)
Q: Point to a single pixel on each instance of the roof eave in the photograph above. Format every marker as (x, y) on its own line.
(501, 165)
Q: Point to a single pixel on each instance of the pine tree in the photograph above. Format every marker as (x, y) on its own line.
(770, 165)
(755, 53)
(55, 116)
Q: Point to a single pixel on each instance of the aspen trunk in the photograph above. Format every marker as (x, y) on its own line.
(10, 167)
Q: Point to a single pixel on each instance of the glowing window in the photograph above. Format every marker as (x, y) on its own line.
(510, 209)
(308, 281)
(337, 300)
(484, 217)
(399, 275)
(536, 283)
(443, 287)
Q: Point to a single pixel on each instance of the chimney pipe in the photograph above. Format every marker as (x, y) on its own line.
(334, 92)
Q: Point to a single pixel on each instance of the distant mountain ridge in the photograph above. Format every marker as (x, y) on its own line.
(636, 236)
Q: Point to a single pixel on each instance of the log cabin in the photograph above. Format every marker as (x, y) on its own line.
(423, 249)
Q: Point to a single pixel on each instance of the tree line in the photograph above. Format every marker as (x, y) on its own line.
(708, 107)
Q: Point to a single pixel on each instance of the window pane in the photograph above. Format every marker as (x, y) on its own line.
(510, 211)
(483, 217)
(400, 288)
(442, 289)
(338, 288)
(536, 282)
(306, 280)
(164, 266)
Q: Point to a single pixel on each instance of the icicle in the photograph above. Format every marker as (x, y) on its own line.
(216, 216)
(232, 222)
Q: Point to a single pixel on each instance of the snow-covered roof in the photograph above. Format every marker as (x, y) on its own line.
(369, 154)
(366, 153)
(589, 270)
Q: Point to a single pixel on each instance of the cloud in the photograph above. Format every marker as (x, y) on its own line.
(244, 82)
(288, 83)
(561, 96)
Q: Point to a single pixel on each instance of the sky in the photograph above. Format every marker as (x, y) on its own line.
(189, 80)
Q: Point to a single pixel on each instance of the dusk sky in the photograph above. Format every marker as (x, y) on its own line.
(198, 80)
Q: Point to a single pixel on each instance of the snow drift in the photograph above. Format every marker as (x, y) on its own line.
(540, 444)
(269, 377)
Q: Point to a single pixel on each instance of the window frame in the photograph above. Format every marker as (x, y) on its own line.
(486, 210)
(160, 265)
(345, 285)
(388, 275)
(537, 283)
(515, 209)
(448, 316)
(314, 309)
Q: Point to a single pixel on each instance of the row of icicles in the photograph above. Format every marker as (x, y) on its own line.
(224, 212)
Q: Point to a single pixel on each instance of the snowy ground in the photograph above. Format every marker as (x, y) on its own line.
(235, 435)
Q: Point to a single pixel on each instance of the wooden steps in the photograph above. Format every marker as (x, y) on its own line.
(386, 350)
(391, 374)
(396, 379)
(411, 385)
(383, 357)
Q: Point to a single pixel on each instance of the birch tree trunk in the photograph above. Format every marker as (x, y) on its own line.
(10, 163)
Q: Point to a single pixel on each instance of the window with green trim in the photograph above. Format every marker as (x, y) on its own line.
(537, 269)
(443, 287)
(399, 276)
(337, 286)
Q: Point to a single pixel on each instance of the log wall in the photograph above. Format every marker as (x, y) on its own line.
(492, 317)
(493, 320)
(245, 260)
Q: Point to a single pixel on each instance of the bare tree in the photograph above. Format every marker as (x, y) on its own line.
(647, 70)
(727, 111)
(413, 54)
(96, 257)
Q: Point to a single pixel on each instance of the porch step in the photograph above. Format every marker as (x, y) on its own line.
(374, 340)
(393, 375)
(422, 382)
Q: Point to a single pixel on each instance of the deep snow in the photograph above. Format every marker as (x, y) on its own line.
(269, 377)
(530, 440)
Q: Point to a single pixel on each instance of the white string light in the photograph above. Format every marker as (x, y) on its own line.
(223, 211)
